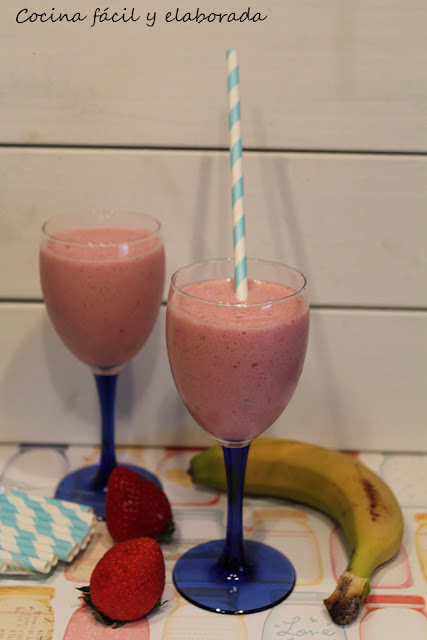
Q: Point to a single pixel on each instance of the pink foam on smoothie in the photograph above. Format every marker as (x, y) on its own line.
(103, 296)
(236, 366)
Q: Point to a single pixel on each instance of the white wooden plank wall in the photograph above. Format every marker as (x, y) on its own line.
(135, 117)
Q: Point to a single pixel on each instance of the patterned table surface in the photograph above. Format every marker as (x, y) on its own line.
(48, 607)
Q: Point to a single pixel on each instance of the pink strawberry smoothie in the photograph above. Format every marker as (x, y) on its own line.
(103, 288)
(236, 366)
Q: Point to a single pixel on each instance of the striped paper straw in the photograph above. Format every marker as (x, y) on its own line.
(54, 528)
(65, 504)
(11, 504)
(64, 550)
(237, 191)
(57, 510)
(16, 563)
(42, 528)
(25, 548)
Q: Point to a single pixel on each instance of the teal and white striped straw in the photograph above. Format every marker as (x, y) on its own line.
(237, 191)
(11, 562)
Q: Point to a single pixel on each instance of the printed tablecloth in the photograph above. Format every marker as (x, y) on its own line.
(48, 607)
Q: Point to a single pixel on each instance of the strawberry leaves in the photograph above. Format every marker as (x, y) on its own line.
(108, 622)
(115, 624)
(167, 534)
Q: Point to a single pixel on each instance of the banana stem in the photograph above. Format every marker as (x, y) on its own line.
(345, 601)
(232, 560)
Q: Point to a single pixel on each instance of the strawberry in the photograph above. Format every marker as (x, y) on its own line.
(127, 582)
(136, 506)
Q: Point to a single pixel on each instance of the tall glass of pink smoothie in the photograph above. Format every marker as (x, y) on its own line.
(102, 277)
(236, 366)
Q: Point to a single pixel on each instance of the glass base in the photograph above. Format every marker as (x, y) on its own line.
(78, 486)
(268, 579)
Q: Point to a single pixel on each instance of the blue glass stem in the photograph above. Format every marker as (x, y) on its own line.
(232, 560)
(106, 385)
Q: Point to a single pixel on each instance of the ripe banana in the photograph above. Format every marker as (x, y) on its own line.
(333, 482)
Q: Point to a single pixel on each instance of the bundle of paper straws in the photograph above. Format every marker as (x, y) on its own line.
(37, 532)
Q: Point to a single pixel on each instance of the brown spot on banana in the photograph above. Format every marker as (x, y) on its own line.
(372, 495)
